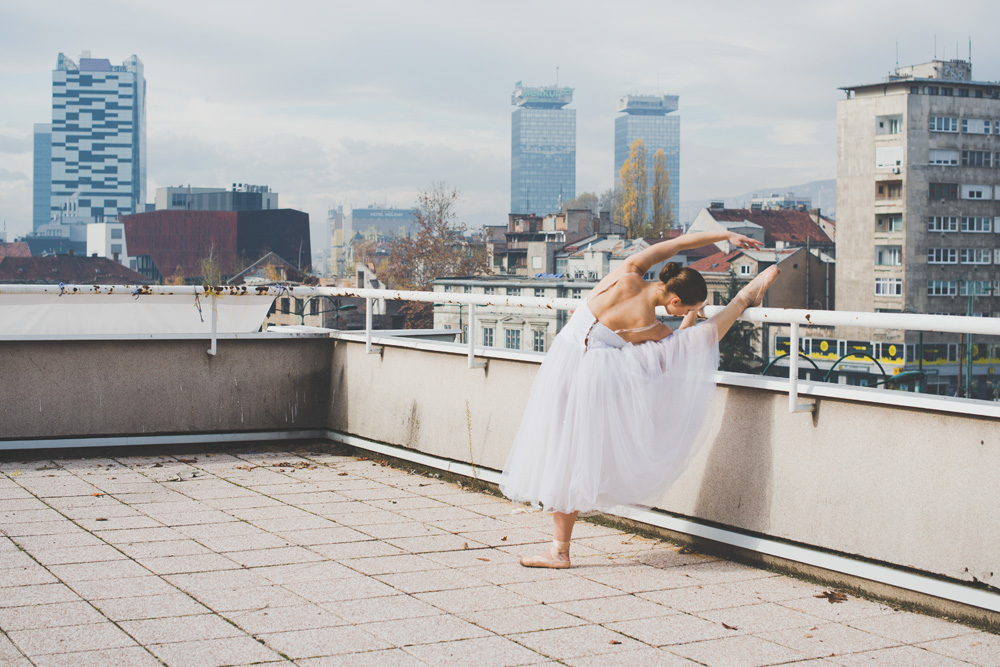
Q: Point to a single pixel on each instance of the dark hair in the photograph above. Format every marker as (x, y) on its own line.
(685, 283)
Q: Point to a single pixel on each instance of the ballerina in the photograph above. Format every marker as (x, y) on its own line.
(618, 403)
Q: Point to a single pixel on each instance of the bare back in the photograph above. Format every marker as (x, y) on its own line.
(622, 305)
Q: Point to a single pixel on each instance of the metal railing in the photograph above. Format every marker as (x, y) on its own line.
(778, 316)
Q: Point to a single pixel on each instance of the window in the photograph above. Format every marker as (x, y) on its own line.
(889, 190)
(540, 292)
(942, 157)
(488, 336)
(284, 305)
(976, 288)
(888, 125)
(942, 223)
(942, 123)
(888, 287)
(746, 270)
(116, 233)
(978, 225)
(892, 222)
(116, 249)
(943, 190)
(888, 255)
(888, 156)
(512, 339)
(513, 291)
(975, 255)
(488, 290)
(538, 340)
(977, 192)
(976, 126)
(942, 288)
(976, 158)
(942, 256)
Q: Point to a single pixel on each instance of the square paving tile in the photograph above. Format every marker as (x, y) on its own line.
(180, 629)
(428, 630)
(184, 564)
(391, 564)
(899, 656)
(482, 652)
(643, 657)
(763, 617)
(468, 599)
(388, 608)
(93, 636)
(215, 652)
(102, 589)
(131, 656)
(72, 555)
(616, 608)
(326, 641)
(350, 588)
(282, 619)
(979, 649)
(563, 589)
(36, 594)
(49, 616)
(907, 628)
(522, 619)
(576, 642)
(671, 629)
(430, 580)
(822, 640)
(742, 651)
(163, 605)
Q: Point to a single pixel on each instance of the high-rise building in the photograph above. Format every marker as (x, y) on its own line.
(651, 119)
(542, 149)
(918, 203)
(42, 183)
(98, 137)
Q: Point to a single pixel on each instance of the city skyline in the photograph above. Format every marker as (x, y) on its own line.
(369, 105)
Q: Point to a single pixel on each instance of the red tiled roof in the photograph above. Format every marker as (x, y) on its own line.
(69, 269)
(18, 249)
(715, 263)
(779, 225)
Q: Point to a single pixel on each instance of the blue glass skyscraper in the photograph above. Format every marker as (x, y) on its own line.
(647, 117)
(98, 138)
(542, 149)
(42, 183)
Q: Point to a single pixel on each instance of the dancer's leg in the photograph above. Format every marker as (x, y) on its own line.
(751, 295)
(558, 555)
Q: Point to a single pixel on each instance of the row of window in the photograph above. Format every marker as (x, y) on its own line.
(951, 191)
(954, 223)
(950, 158)
(947, 91)
(894, 287)
(512, 339)
(963, 255)
(968, 125)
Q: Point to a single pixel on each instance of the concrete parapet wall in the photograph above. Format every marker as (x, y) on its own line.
(88, 388)
(907, 487)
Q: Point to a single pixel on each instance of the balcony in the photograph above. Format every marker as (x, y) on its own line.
(882, 492)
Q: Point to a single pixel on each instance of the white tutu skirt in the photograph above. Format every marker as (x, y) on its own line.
(613, 423)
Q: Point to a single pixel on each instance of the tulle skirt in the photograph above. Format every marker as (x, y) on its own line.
(611, 423)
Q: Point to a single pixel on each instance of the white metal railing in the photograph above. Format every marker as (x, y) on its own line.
(781, 316)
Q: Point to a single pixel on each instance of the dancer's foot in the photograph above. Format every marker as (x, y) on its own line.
(557, 557)
(753, 294)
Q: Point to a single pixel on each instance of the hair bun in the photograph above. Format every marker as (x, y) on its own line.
(669, 270)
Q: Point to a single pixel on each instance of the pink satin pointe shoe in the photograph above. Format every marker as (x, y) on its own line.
(557, 557)
(753, 294)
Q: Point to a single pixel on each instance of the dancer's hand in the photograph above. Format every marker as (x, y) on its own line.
(745, 242)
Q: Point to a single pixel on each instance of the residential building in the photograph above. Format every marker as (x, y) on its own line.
(529, 244)
(107, 239)
(176, 243)
(66, 268)
(98, 139)
(542, 149)
(339, 241)
(240, 197)
(776, 200)
(651, 119)
(778, 228)
(918, 203)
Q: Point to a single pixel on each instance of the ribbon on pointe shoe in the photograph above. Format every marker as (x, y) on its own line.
(551, 558)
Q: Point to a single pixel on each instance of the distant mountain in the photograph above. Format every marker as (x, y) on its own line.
(822, 193)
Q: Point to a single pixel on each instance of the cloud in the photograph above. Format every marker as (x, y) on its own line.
(15, 145)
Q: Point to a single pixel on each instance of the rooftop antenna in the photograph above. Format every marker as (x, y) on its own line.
(970, 51)
(557, 75)
(897, 54)
(935, 46)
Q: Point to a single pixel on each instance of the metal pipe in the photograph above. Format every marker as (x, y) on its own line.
(472, 338)
(215, 327)
(368, 325)
(793, 373)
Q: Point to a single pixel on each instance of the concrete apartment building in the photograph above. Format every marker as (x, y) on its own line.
(918, 203)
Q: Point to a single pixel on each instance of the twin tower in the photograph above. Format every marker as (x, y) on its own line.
(543, 144)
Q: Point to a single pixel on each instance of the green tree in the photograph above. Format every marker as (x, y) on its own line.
(631, 208)
(736, 349)
(438, 248)
(663, 216)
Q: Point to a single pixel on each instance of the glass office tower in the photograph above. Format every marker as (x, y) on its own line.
(42, 184)
(542, 149)
(647, 117)
(98, 149)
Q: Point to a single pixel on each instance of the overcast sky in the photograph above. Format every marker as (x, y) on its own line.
(356, 103)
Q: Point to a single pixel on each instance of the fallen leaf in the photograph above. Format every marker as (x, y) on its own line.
(686, 550)
(465, 545)
(97, 495)
(832, 596)
(614, 641)
(362, 458)
(481, 558)
(100, 518)
(157, 465)
(809, 636)
(341, 474)
(194, 460)
(729, 627)
(503, 539)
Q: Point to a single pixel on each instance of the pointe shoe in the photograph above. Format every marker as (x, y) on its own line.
(557, 557)
(753, 294)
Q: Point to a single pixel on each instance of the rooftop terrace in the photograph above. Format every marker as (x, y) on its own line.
(881, 493)
(307, 557)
